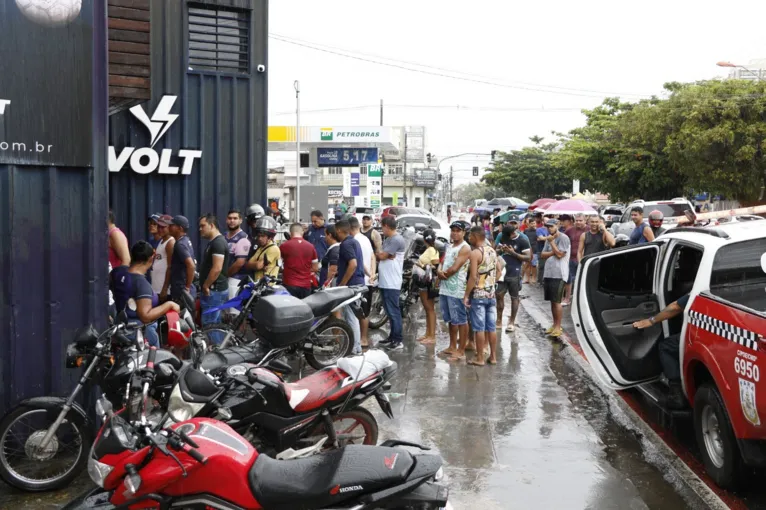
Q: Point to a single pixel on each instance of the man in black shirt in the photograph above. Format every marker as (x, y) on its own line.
(212, 274)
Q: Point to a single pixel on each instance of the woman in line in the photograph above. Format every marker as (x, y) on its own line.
(430, 257)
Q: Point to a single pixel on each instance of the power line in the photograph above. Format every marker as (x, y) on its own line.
(431, 73)
(319, 46)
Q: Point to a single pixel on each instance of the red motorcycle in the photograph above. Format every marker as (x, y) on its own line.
(204, 464)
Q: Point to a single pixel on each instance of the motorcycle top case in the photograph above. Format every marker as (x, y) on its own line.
(282, 320)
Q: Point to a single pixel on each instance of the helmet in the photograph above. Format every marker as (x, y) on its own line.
(429, 235)
(655, 218)
(254, 212)
(179, 331)
(266, 225)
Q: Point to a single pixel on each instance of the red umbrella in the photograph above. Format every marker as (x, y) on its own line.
(571, 206)
(541, 202)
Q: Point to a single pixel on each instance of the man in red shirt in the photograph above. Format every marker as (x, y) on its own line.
(574, 233)
(299, 263)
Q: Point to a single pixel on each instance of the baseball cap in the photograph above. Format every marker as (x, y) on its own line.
(513, 218)
(164, 220)
(154, 217)
(181, 221)
(366, 217)
(551, 222)
(458, 225)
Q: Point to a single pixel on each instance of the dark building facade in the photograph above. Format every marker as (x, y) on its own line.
(192, 68)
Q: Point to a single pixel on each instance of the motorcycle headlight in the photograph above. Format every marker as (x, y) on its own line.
(179, 409)
(98, 471)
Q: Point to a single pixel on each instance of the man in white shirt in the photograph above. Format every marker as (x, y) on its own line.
(391, 257)
(368, 254)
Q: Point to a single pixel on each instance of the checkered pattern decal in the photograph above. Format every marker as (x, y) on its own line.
(725, 330)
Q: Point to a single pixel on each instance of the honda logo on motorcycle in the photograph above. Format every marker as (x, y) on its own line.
(340, 490)
(146, 160)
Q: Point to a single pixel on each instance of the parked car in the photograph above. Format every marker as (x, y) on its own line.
(397, 211)
(359, 212)
(672, 210)
(611, 213)
(412, 220)
(721, 332)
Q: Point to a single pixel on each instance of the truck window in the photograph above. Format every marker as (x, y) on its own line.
(739, 274)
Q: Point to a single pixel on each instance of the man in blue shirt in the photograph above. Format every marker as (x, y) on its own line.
(316, 233)
(643, 232)
(515, 249)
(350, 272)
(182, 265)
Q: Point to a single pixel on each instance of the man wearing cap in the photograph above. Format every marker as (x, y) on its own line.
(515, 249)
(371, 234)
(556, 257)
(182, 265)
(453, 274)
(154, 235)
(162, 256)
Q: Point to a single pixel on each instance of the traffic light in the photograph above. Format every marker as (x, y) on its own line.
(428, 157)
(476, 171)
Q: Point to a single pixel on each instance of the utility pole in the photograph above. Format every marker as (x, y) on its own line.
(381, 112)
(297, 86)
(450, 183)
(404, 183)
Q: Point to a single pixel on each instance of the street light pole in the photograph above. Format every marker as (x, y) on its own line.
(297, 87)
(729, 64)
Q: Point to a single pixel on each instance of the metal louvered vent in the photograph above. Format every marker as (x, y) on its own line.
(219, 39)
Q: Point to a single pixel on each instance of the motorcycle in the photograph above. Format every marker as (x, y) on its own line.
(57, 428)
(409, 294)
(317, 412)
(203, 463)
(261, 306)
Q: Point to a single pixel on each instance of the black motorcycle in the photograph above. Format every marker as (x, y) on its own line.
(44, 441)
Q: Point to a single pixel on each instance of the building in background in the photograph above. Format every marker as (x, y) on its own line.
(753, 70)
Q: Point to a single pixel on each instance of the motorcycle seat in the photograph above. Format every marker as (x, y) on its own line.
(328, 478)
(230, 356)
(323, 302)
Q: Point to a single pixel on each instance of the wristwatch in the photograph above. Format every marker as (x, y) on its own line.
(651, 319)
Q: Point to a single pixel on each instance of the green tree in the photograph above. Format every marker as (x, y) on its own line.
(531, 172)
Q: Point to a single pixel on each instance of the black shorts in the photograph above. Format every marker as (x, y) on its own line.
(367, 303)
(299, 292)
(511, 286)
(553, 289)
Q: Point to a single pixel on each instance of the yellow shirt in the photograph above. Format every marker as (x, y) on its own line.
(270, 254)
(430, 256)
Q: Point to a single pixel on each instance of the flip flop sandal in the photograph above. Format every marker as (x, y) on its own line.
(511, 328)
(475, 363)
(456, 358)
(556, 333)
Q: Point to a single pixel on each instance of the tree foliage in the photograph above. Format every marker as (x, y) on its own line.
(705, 136)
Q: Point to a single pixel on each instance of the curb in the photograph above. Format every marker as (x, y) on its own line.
(679, 469)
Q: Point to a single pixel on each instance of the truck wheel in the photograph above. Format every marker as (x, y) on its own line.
(715, 437)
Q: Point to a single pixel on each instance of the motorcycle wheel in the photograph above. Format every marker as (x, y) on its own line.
(356, 427)
(341, 341)
(377, 315)
(20, 458)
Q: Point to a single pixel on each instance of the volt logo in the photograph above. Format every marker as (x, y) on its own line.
(3, 104)
(146, 159)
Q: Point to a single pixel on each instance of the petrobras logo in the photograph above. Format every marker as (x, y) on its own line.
(325, 134)
(146, 160)
(358, 134)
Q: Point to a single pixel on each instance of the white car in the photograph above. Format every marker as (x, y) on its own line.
(672, 210)
(359, 212)
(411, 220)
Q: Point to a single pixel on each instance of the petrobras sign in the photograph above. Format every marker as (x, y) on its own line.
(146, 160)
(351, 134)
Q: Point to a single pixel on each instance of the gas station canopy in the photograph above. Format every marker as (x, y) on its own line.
(282, 138)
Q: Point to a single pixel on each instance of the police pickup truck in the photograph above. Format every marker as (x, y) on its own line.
(722, 329)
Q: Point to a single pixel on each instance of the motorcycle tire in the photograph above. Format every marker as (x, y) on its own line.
(11, 477)
(367, 421)
(378, 317)
(238, 337)
(343, 351)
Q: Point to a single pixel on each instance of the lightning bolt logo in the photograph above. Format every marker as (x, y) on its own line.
(161, 121)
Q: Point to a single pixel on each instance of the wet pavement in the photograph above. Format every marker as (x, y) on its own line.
(531, 432)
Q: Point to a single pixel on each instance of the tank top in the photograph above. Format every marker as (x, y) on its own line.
(455, 285)
(593, 244)
(160, 266)
(486, 277)
(114, 260)
(637, 236)
(368, 235)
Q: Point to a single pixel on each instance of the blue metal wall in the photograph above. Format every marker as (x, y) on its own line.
(53, 257)
(222, 114)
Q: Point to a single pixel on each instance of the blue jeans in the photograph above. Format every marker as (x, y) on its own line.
(353, 321)
(483, 315)
(216, 298)
(453, 310)
(391, 306)
(150, 333)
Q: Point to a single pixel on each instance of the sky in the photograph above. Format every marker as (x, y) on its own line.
(545, 61)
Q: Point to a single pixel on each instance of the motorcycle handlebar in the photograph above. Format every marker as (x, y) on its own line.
(196, 455)
(150, 360)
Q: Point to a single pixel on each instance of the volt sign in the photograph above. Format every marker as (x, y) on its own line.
(146, 160)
